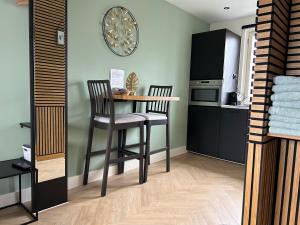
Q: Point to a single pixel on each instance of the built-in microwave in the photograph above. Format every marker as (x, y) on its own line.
(205, 92)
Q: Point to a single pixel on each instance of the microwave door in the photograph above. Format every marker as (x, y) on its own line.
(206, 96)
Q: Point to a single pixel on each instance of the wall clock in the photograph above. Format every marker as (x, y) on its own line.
(120, 31)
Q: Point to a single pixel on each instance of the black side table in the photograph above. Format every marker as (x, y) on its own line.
(7, 171)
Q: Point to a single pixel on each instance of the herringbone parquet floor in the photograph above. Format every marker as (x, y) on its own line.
(197, 191)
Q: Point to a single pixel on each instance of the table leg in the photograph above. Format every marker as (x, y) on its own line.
(134, 106)
(20, 189)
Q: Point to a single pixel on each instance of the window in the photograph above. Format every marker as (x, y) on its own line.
(246, 65)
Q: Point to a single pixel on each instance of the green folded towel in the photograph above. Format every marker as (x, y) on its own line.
(279, 88)
(286, 96)
(286, 80)
(287, 112)
(290, 104)
(292, 126)
(284, 119)
(284, 131)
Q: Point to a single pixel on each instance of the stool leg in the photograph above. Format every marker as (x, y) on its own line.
(122, 164)
(147, 154)
(88, 153)
(141, 171)
(120, 153)
(168, 161)
(106, 165)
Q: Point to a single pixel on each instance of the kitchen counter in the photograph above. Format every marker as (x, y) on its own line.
(244, 107)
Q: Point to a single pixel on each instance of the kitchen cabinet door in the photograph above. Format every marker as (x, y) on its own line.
(207, 60)
(233, 135)
(203, 130)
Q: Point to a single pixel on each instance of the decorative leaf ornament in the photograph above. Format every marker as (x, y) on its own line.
(132, 83)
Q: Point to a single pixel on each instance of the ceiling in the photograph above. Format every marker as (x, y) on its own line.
(213, 10)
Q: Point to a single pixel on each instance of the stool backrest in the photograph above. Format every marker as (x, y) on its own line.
(102, 103)
(159, 106)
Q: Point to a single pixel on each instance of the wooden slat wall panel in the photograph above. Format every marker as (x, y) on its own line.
(50, 59)
(50, 135)
(293, 61)
(49, 79)
(271, 58)
(287, 196)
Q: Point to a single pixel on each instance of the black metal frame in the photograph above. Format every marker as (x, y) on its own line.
(102, 105)
(34, 174)
(41, 192)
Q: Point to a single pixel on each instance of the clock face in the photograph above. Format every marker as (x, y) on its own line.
(120, 31)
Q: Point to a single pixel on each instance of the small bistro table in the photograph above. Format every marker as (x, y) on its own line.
(141, 98)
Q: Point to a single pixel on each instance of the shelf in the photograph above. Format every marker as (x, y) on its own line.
(22, 2)
(25, 124)
(296, 138)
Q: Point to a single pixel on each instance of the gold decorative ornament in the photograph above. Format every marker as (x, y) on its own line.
(132, 83)
(120, 31)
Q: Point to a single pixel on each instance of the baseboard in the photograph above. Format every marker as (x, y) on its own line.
(76, 181)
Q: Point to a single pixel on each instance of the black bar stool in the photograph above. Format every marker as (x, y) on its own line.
(157, 113)
(103, 117)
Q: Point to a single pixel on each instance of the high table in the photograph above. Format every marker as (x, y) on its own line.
(136, 98)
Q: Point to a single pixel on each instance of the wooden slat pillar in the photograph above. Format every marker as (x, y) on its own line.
(49, 78)
(271, 58)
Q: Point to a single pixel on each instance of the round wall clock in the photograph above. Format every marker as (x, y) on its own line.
(120, 31)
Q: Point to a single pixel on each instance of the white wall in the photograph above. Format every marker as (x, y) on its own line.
(233, 25)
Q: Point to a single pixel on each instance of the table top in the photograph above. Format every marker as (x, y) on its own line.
(144, 98)
(7, 170)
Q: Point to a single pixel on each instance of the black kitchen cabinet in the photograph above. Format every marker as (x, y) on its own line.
(203, 130)
(218, 132)
(215, 55)
(233, 134)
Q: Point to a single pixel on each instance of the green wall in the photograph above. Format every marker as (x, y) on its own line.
(163, 58)
(14, 85)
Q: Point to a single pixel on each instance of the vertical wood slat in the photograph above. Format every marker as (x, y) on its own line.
(287, 200)
(49, 78)
(50, 138)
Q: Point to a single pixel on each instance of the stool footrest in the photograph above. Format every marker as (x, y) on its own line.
(123, 159)
(158, 151)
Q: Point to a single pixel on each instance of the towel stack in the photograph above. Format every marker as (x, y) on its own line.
(285, 112)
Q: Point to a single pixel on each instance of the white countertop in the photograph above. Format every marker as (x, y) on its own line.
(245, 107)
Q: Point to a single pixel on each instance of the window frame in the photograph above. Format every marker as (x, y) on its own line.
(246, 65)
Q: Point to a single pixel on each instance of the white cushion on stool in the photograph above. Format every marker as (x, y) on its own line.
(121, 118)
(153, 116)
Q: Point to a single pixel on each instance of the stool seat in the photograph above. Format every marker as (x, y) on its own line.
(153, 116)
(121, 118)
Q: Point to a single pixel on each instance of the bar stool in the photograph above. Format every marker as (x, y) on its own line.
(157, 113)
(103, 117)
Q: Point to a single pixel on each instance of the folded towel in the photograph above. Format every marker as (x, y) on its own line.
(288, 112)
(292, 126)
(278, 88)
(291, 104)
(286, 96)
(284, 119)
(283, 131)
(286, 80)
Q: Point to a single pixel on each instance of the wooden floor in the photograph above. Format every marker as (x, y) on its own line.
(197, 191)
